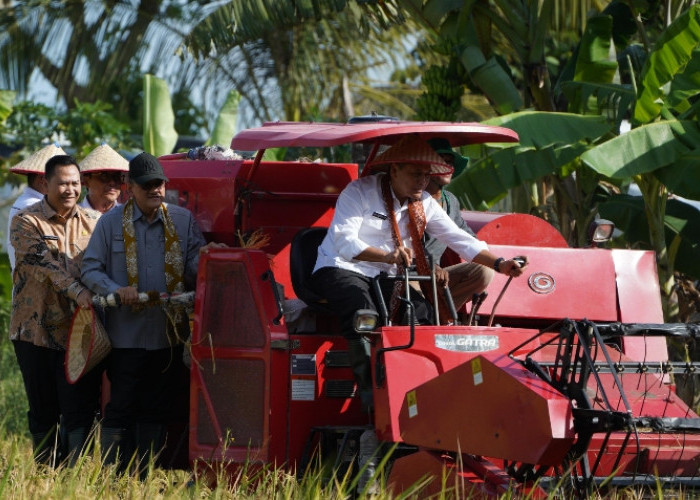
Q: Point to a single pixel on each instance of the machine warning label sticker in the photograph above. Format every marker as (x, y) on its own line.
(412, 404)
(303, 389)
(476, 371)
(467, 343)
(303, 364)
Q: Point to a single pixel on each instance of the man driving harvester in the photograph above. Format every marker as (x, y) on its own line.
(378, 226)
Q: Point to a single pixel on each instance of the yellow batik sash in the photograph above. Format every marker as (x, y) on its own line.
(174, 267)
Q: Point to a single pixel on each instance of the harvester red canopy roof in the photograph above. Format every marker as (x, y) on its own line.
(296, 134)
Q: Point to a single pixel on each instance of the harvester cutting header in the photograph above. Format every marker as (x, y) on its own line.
(560, 381)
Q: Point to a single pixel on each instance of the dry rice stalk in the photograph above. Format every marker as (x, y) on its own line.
(255, 240)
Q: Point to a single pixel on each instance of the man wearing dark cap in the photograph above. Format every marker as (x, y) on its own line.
(144, 245)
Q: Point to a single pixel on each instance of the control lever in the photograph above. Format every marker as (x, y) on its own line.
(522, 262)
(477, 301)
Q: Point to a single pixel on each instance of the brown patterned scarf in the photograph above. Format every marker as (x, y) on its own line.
(417, 223)
(174, 267)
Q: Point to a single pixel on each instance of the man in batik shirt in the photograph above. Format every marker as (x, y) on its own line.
(49, 239)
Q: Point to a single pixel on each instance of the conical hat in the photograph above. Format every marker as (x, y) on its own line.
(87, 345)
(35, 163)
(103, 158)
(413, 150)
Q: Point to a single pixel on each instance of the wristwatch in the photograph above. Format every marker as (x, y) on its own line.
(497, 263)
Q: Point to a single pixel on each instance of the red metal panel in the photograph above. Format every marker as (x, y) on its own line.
(278, 201)
(638, 289)
(207, 189)
(465, 477)
(231, 391)
(521, 229)
(435, 351)
(311, 402)
(670, 455)
(490, 406)
(293, 134)
(284, 197)
(581, 278)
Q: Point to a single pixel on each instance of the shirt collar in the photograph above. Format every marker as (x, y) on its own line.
(32, 192)
(138, 214)
(405, 203)
(49, 212)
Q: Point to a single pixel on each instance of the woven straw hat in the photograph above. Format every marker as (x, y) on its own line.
(414, 150)
(35, 163)
(442, 146)
(87, 345)
(104, 159)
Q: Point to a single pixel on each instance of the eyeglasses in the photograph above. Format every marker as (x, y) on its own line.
(107, 177)
(154, 184)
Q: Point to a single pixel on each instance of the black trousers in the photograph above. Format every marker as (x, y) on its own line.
(147, 387)
(49, 394)
(347, 291)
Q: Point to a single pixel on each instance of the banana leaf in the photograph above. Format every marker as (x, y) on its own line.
(646, 149)
(541, 129)
(159, 135)
(432, 13)
(686, 85)
(497, 85)
(673, 51)
(549, 142)
(613, 99)
(489, 179)
(225, 126)
(683, 176)
(592, 63)
(7, 99)
(681, 222)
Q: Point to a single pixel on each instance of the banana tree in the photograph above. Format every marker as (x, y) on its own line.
(550, 146)
(7, 98)
(159, 134)
(661, 153)
(225, 126)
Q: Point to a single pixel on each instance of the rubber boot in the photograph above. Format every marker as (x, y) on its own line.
(360, 361)
(76, 439)
(150, 440)
(45, 446)
(112, 446)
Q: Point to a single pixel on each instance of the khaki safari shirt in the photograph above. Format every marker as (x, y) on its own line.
(48, 250)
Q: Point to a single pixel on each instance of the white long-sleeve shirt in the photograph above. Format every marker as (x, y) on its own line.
(28, 197)
(361, 221)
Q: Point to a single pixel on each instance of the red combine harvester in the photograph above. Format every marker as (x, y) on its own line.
(570, 385)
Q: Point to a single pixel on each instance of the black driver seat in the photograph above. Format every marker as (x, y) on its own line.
(302, 259)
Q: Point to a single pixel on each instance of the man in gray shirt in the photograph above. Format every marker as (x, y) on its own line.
(142, 246)
(465, 278)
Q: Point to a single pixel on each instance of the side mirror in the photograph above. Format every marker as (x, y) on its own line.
(600, 231)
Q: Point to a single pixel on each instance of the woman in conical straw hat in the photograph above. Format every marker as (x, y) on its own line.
(104, 171)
